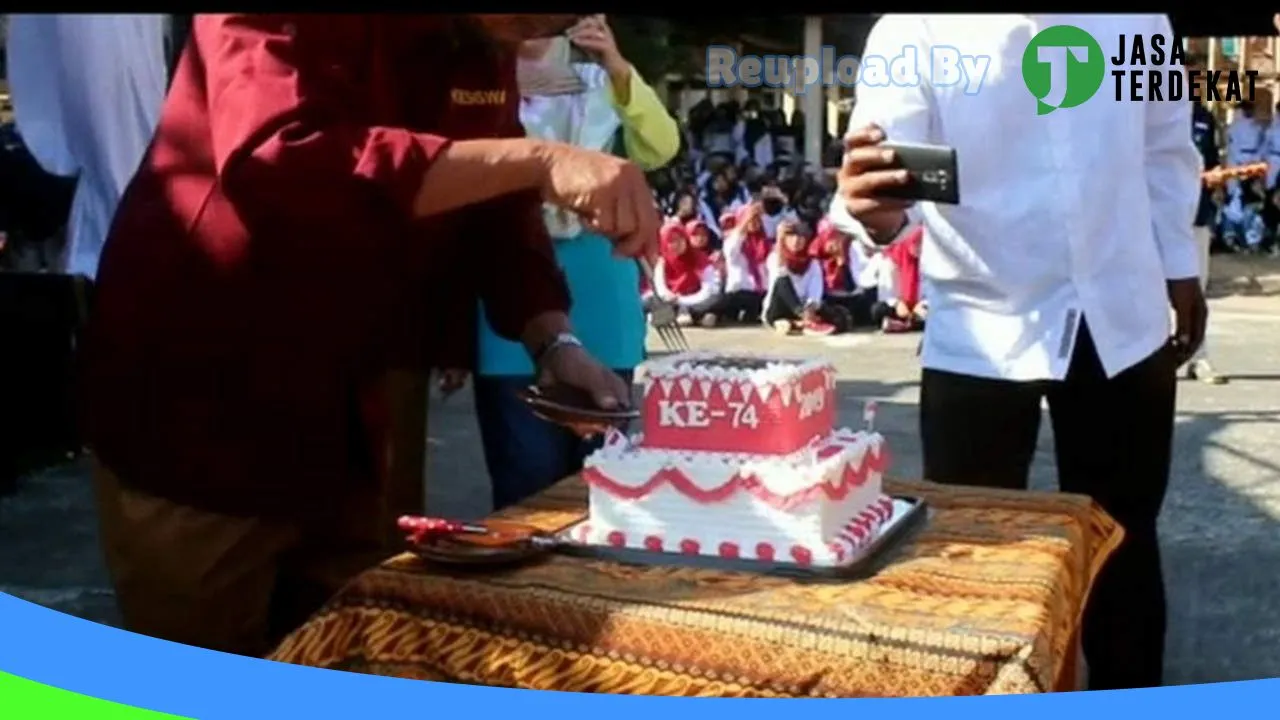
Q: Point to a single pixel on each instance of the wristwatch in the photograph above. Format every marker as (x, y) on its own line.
(560, 340)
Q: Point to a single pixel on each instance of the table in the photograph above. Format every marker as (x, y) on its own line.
(986, 599)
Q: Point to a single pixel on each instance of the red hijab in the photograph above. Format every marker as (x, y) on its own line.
(905, 255)
(693, 227)
(835, 262)
(727, 221)
(716, 257)
(796, 262)
(682, 271)
(755, 243)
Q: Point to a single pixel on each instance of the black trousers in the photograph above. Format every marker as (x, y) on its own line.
(40, 319)
(1113, 439)
(742, 306)
(785, 304)
(858, 304)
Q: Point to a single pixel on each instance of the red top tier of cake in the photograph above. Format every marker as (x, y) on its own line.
(762, 406)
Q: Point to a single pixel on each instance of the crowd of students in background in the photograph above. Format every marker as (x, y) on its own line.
(1246, 214)
(747, 242)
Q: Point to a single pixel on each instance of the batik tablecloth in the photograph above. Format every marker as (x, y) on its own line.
(985, 599)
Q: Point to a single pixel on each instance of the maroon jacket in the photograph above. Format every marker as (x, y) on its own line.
(263, 271)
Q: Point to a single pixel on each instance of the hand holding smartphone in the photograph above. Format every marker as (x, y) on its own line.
(932, 175)
(879, 181)
(593, 41)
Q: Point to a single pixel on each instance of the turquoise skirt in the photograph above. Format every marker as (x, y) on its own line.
(607, 314)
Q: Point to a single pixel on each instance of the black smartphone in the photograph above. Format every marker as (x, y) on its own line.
(932, 170)
(578, 55)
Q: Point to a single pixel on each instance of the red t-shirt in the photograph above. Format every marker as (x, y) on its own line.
(262, 271)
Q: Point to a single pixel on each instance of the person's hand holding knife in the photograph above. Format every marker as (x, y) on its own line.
(610, 195)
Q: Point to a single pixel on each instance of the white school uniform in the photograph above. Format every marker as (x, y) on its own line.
(1086, 211)
(709, 288)
(87, 91)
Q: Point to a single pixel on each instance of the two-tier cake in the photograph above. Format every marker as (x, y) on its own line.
(738, 459)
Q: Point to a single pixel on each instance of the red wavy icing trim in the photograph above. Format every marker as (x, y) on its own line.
(860, 529)
(874, 460)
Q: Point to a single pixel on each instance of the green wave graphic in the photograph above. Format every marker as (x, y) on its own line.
(22, 699)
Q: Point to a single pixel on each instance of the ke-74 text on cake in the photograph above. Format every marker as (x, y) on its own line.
(702, 401)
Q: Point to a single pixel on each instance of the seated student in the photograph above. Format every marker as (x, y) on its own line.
(739, 306)
(685, 276)
(1241, 223)
(843, 261)
(776, 209)
(728, 221)
(1271, 220)
(722, 193)
(684, 206)
(700, 238)
(745, 253)
(900, 306)
(795, 299)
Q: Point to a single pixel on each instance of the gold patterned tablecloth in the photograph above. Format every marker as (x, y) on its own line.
(985, 599)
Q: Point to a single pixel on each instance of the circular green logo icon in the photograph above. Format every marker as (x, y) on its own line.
(1063, 67)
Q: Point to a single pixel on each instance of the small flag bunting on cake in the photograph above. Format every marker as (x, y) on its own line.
(613, 437)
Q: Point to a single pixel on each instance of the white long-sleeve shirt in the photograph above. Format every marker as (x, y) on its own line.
(1085, 211)
(87, 92)
(737, 269)
(1245, 139)
(771, 222)
(865, 265)
(1271, 151)
(709, 288)
(879, 272)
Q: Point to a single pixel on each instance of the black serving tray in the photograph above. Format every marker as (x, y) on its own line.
(910, 513)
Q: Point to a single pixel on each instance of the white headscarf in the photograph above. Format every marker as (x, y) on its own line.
(552, 109)
(552, 74)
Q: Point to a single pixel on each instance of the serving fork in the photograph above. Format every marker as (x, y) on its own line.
(663, 315)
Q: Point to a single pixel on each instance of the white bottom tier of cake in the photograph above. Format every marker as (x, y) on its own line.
(844, 548)
(815, 507)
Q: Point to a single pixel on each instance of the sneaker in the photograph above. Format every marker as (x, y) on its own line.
(684, 319)
(894, 326)
(1203, 371)
(818, 328)
(709, 320)
(784, 327)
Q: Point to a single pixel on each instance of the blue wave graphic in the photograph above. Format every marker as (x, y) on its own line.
(83, 657)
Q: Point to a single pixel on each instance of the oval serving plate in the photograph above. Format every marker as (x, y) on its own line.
(506, 543)
(575, 409)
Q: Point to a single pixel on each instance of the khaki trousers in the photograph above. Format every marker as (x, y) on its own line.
(240, 584)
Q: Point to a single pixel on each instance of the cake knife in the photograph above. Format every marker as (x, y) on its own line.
(420, 529)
